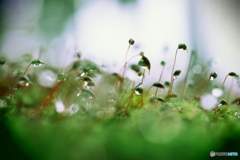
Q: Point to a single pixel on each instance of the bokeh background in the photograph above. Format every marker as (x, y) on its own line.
(55, 30)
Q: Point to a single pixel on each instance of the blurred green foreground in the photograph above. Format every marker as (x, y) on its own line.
(156, 132)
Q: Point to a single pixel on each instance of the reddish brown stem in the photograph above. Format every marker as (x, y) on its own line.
(48, 97)
(26, 69)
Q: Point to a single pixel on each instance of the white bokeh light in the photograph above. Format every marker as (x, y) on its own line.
(59, 106)
(217, 92)
(104, 33)
(208, 102)
(47, 78)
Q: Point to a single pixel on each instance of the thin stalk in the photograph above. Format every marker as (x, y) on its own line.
(142, 84)
(186, 77)
(130, 98)
(47, 99)
(122, 81)
(159, 80)
(124, 67)
(143, 75)
(26, 69)
(125, 62)
(138, 103)
(204, 86)
(15, 89)
(172, 80)
(130, 94)
(203, 90)
(221, 112)
(230, 90)
(224, 80)
(163, 90)
(148, 90)
(237, 93)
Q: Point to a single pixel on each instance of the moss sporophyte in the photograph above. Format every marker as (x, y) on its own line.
(77, 83)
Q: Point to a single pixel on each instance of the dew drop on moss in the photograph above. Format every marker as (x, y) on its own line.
(37, 63)
(59, 106)
(137, 93)
(23, 84)
(138, 89)
(73, 108)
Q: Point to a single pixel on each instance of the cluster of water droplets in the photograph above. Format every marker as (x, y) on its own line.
(3, 103)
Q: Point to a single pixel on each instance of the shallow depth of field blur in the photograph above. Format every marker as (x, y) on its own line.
(66, 94)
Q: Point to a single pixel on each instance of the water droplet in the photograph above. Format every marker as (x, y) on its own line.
(217, 92)
(85, 83)
(175, 77)
(73, 108)
(37, 63)
(47, 78)
(208, 102)
(213, 75)
(87, 94)
(23, 84)
(82, 74)
(89, 97)
(59, 106)
(197, 69)
(221, 103)
(3, 103)
(23, 81)
(9, 96)
(137, 93)
(139, 89)
(111, 100)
